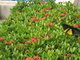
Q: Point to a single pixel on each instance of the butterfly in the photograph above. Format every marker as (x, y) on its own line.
(71, 30)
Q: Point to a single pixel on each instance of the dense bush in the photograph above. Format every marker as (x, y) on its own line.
(34, 31)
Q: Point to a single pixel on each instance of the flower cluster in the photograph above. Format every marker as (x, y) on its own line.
(69, 54)
(1, 38)
(34, 58)
(34, 39)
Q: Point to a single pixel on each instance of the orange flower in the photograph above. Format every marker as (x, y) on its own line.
(50, 24)
(9, 43)
(29, 59)
(46, 14)
(62, 15)
(37, 57)
(77, 16)
(34, 17)
(42, 18)
(42, 1)
(43, 35)
(47, 8)
(64, 12)
(28, 42)
(77, 25)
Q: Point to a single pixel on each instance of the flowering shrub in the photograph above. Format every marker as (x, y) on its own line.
(33, 31)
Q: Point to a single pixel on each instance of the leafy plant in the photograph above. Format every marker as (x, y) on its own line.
(34, 31)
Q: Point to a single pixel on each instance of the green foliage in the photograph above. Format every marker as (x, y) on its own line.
(41, 22)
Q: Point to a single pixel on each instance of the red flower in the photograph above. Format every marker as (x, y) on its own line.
(43, 35)
(11, 40)
(29, 59)
(42, 18)
(34, 18)
(50, 24)
(46, 14)
(79, 41)
(69, 54)
(77, 16)
(37, 57)
(42, 1)
(62, 15)
(34, 39)
(9, 43)
(1, 38)
(47, 8)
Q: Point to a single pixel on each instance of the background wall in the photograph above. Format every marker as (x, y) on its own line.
(77, 3)
(64, 1)
(5, 6)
